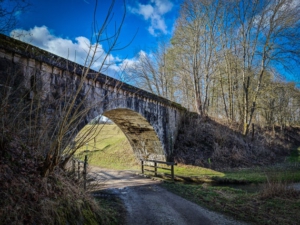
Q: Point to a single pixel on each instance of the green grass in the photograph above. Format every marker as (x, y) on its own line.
(259, 175)
(295, 156)
(241, 205)
(109, 148)
(186, 170)
(267, 204)
(248, 175)
(112, 209)
(244, 176)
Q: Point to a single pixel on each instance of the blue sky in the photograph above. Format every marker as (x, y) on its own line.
(64, 27)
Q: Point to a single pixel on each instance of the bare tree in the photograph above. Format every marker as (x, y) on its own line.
(9, 10)
(226, 48)
(268, 33)
(153, 72)
(196, 38)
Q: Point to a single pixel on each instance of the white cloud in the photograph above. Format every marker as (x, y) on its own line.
(76, 51)
(142, 53)
(154, 12)
(145, 10)
(163, 6)
(129, 63)
(127, 68)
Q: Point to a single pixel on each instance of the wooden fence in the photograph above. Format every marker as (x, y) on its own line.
(81, 169)
(154, 165)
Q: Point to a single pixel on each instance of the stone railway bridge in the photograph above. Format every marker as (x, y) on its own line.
(149, 122)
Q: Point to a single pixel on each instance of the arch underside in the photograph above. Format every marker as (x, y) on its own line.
(139, 132)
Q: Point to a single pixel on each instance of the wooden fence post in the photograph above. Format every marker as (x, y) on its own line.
(94, 143)
(142, 166)
(84, 172)
(73, 168)
(252, 138)
(172, 172)
(78, 170)
(154, 164)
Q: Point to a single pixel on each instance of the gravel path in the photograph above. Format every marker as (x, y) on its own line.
(149, 204)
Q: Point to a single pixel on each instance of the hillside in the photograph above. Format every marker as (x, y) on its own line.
(109, 148)
(208, 143)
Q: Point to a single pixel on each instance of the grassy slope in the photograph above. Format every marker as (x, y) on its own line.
(109, 149)
(217, 144)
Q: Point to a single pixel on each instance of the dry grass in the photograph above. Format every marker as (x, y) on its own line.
(28, 198)
(208, 143)
(279, 190)
(276, 188)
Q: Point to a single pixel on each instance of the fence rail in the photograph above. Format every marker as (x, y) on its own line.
(155, 166)
(80, 164)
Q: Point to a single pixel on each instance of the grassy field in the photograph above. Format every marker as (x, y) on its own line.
(269, 199)
(108, 149)
(274, 204)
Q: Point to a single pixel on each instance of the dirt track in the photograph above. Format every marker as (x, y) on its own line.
(149, 204)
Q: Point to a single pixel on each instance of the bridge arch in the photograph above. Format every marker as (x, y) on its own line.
(138, 131)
